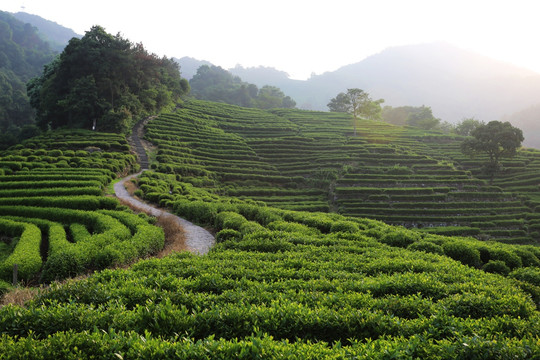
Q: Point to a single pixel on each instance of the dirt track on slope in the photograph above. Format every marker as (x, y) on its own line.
(195, 238)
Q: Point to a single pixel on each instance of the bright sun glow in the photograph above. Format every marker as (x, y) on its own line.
(301, 37)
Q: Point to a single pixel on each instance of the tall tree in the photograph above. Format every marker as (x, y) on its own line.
(496, 139)
(466, 126)
(357, 103)
(217, 84)
(423, 118)
(104, 81)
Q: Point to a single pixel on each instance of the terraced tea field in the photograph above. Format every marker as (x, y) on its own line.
(54, 217)
(301, 160)
(280, 283)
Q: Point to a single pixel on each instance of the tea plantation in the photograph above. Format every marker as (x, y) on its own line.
(303, 268)
(301, 160)
(54, 218)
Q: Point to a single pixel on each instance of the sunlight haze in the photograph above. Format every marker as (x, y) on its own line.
(303, 37)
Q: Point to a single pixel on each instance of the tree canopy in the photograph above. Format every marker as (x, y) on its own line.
(217, 84)
(358, 103)
(466, 126)
(496, 139)
(423, 118)
(104, 81)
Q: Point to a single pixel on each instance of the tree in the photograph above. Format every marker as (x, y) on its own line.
(496, 139)
(104, 81)
(357, 103)
(423, 118)
(341, 103)
(466, 126)
(217, 84)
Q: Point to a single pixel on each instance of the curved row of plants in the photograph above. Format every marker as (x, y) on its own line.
(284, 283)
(305, 160)
(55, 220)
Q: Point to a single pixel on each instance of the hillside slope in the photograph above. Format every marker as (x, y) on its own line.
(279, 283)
(57, 35)
(302, 160)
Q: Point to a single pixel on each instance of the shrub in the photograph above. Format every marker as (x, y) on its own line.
(426, 246)
(462, 252)
(527, 274)
(399, 170)
(509, 258)
(400, 238)
(227, 234)
(4, 287)
(229, 220)
(496, 267)
(292, 227)
(56, 153)
(63, 264)
(26, 253)
(344, 226)
(527, 257)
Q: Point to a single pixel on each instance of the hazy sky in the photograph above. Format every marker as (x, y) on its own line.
(301, 37)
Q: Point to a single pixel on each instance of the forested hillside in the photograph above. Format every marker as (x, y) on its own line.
(56, 35)
(22, 56)
(217, 84)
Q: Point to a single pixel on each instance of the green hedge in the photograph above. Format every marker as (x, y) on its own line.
(26, 253)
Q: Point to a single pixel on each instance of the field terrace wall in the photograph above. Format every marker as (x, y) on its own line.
(54, 185)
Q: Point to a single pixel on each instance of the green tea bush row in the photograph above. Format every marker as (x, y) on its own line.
(26, 253)
(80, 202)
(47, 184)
(59, 191)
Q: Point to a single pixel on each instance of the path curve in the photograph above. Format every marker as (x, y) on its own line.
(198, 240)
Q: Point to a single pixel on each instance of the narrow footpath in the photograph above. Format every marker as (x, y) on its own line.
(197, 239)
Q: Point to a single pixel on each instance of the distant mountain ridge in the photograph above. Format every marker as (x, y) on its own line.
(57, 35)
(454, 82)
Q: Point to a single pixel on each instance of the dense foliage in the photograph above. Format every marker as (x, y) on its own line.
(420, 116)
(104, 82)
(216, 84)
(22, 56)
(497, 140)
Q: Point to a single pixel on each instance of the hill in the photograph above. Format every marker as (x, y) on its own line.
(280, 282)
(456, 83)
(302, 160)
(56, 35)
(22, 56)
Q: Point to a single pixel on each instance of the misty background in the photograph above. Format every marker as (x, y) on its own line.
(456, 83)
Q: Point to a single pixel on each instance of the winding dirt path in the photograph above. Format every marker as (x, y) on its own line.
(197, 239)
